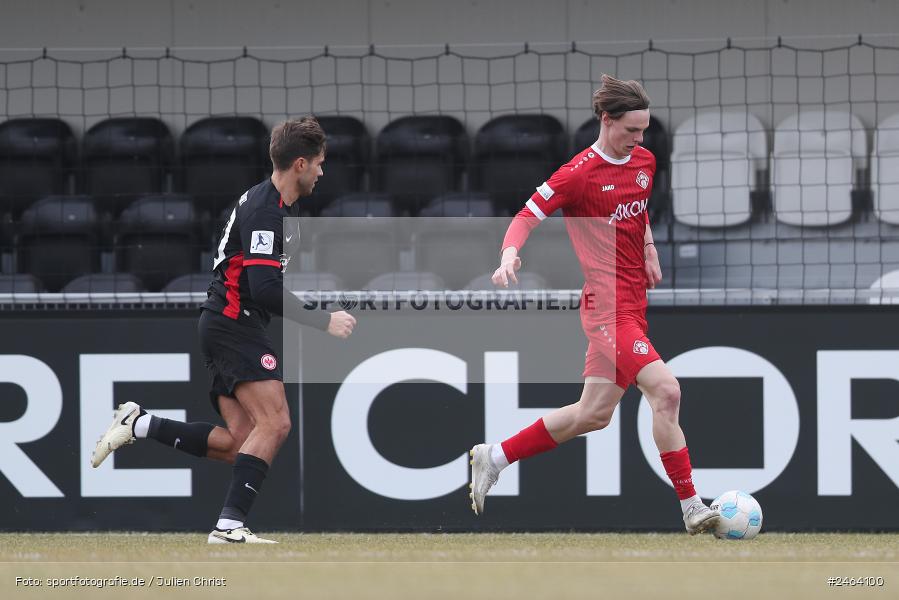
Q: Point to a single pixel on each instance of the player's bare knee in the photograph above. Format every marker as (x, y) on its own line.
(281, 427)
(275, 427)
(239, 436)
(230, 454)
(600, 421)
(667, 399)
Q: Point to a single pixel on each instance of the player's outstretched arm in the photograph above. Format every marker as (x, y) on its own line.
(509, 263)
(516, 235)
(267, 290)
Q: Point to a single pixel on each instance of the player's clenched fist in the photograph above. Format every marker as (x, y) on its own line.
(341, 324)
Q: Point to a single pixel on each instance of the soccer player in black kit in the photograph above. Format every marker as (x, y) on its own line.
(247, 383)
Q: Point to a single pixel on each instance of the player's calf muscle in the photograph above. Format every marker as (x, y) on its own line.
(223, 445)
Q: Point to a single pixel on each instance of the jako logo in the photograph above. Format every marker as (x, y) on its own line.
(628, 210)
(608, 188)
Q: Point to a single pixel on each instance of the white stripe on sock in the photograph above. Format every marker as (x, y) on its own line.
(142, 426)
(498, 456)
(226, 524)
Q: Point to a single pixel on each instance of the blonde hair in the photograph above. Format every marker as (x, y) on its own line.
(617, 97)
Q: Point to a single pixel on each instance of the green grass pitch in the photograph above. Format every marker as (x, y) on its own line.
(457, 566)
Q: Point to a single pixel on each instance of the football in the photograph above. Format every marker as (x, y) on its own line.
(741, 516)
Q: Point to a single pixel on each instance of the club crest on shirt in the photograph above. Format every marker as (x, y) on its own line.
(641, 347)
(269, 362)
(643, 180)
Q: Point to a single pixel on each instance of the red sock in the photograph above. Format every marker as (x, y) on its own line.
(677, 465)
(528, 442)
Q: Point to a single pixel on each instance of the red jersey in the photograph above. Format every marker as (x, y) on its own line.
(604, 202)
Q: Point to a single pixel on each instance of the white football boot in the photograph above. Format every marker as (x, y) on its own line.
(241, 535)
(484, 475)
(119, 433)
(700, 518)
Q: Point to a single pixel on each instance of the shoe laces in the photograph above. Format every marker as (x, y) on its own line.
(696, 508)
(492, 472)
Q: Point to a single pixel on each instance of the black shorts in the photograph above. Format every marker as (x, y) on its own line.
(235, 353)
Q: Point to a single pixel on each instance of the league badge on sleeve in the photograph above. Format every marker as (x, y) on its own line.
(545, 191)
(262, 242)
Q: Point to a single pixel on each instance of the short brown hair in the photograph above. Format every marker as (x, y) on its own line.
(616, 97)
(293, 139)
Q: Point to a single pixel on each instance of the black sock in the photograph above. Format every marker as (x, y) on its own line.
(246, 482)
(192, 438)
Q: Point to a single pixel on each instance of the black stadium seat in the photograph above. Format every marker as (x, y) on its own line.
(346, 159)
(456, 249)
(360, 204)
(104, 283)
(58, 239)
(123, 158)
(655, 139)
(359, 255)
(514, 154)
(527, 280)
(157, 239)
(355, 238)
(312, 281)
(405, 281)
(549, 253)
(192, 282)
(222, 157)
(7, 232)
(22, 283)
(586, 134)
(36, 160)
(459, 204)
(419, 158)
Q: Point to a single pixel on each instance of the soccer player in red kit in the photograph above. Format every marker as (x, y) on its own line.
(603, 192)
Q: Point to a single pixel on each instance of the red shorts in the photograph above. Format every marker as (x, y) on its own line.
(619, 360)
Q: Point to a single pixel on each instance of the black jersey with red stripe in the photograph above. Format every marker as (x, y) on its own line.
(253, 236)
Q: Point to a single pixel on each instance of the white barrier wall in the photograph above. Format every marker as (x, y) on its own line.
(93, 23)
(768, 83)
